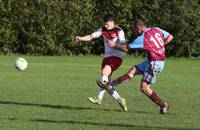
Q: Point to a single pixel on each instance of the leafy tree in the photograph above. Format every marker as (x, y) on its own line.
(48, 27)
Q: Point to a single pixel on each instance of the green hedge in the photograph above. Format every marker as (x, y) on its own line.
(48, 27)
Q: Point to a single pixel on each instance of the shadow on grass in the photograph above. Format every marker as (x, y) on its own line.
(103, 124)
(109, 124)
(56, 106)
(69, 107)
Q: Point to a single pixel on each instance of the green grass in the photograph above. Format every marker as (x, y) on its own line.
(52, 95)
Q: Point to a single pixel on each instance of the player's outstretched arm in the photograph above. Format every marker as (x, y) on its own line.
(121, 48)
(169, 39)
(84, 38)
(118, 47)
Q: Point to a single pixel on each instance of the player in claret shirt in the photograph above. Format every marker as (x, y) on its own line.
(112, 57)
(152, 41)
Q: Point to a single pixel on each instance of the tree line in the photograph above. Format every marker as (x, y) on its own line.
(49, 27)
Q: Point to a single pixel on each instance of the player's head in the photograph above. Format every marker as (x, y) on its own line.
(109, 21)
(139, 26)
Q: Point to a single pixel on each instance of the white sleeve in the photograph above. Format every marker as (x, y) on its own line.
(97, 34)
(121, 36)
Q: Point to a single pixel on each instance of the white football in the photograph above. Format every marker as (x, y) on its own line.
(21, 64)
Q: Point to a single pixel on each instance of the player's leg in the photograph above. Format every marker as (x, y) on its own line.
(129, 75)
(136, 70)
(106, 73)
(109, 65)
(122, 101)
(149, 77)
(112, 91)
(145, 88)
(105, 76)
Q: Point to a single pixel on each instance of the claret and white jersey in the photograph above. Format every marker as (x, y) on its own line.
(152, 41)
(115, 35)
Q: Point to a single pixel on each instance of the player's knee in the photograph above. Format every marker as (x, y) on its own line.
(144, 88)
(132, 72)
(130, 75)
(106, 70)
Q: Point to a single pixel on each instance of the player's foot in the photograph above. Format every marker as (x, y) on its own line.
(101, 85)
(94, 100)
(122, 103)
(165, 109)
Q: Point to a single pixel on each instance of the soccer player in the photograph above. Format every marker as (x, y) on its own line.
(153, 41)
(112, 57)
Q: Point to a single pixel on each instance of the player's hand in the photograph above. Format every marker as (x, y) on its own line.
(111, 44)
(78, 39)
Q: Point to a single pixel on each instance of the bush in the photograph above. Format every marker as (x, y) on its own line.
(48, 27)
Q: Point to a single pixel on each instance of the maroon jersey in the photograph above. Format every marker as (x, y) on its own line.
(152, 41)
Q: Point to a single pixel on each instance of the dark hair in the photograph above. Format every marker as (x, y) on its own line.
(139, 22)
(108, 17)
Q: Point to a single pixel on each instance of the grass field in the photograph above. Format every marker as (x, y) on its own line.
(52, 95)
